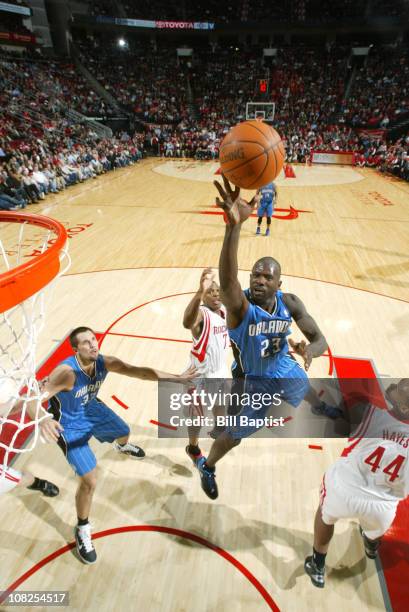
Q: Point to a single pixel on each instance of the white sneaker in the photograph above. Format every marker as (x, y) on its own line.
(85, 547)
(130, 449)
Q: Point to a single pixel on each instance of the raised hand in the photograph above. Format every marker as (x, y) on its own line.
(206, 280)
(235, 208)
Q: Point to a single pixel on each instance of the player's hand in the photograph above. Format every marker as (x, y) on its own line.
(236, 209)
(188, 374)
(206, 280)
(41, 385)
(50, 430)
(303, 350)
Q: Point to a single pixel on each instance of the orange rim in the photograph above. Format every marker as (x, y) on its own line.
(25, 280)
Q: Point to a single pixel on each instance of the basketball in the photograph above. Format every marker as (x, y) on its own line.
(251, 154)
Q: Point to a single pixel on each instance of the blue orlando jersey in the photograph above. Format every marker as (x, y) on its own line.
(260, 341)
(268, 194)
(70, 407)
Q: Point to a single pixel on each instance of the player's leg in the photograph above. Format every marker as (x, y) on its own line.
(296, 393)
(269, 214)
(83, 497)
(192, 449)
(74, 444)
(193, 410)
(107, 426)
(83, 503)
(321, 408)
(260, 214)
(335, 503)
(11, 478)
(218, 411)
(33, 483)
(314, 565)
(374, 523)
(220, 447)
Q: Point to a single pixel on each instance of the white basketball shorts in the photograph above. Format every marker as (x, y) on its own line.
(337, 501)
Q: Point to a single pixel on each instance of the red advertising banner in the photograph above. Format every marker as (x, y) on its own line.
(20, 38)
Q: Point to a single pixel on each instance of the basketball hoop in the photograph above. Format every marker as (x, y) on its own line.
(33, 254)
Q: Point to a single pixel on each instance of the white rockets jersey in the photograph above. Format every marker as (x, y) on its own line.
(376, 459)
(208, 352)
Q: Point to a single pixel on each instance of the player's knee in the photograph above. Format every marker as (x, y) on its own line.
(268, 220)
(89, 481)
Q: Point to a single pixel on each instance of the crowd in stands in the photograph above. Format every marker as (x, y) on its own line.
(151, 85)
(220, 11)
(380, 92)
(184, 108)
(41, 150)
(226, 11)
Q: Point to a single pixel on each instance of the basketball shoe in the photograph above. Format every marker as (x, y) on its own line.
(207, 478)
(193, 456)
(371, 546)
(324, 409)
(258, 231)
(267, 232)
(48, 489)
(130, 449)
(316, 574)
(85, 547)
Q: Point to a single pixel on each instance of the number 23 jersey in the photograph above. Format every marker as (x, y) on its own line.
(260, 344)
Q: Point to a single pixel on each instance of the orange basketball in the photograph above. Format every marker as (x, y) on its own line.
(251, 154)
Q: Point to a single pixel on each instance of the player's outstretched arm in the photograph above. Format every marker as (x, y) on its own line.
(113, 364)
(193, 317)
(317, 343)
(236, 212)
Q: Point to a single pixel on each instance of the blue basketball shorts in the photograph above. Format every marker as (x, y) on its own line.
(265, 209)
(290, 389)
(100, 422)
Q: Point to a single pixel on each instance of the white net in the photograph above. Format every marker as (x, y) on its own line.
(21, 396)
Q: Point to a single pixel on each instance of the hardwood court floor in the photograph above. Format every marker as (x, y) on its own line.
(139, 241)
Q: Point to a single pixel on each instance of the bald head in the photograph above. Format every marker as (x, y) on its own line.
(269, 262)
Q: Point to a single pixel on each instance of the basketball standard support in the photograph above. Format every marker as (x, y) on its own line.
(260, 110)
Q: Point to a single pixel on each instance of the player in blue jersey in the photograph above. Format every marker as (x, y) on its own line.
(72, 389)
(267, 197)
(258, 321)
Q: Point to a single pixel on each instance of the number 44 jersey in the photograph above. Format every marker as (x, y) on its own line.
(376, 460)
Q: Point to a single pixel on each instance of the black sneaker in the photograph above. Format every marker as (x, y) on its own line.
(208, 479)
(317, 575)
(130, 449)
(371, 546)
(324, 409)
(49, 489)
(85, 547)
